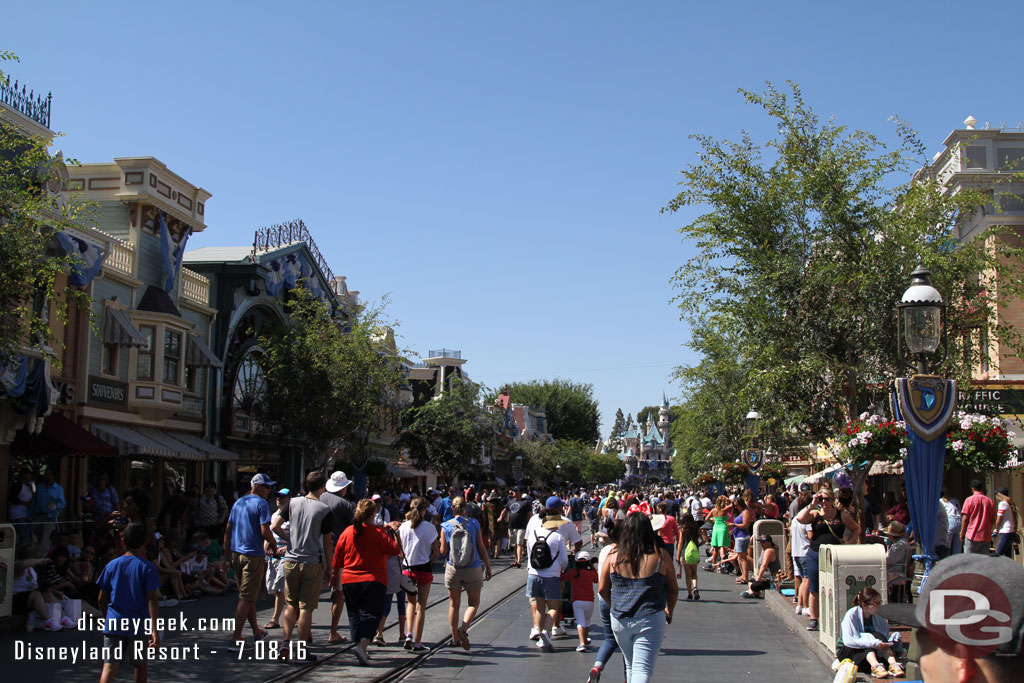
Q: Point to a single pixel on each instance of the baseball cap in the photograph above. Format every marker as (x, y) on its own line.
(805, 487)
(553, 502)
(764, 537)
(375, 496)
(583, 556)
(337, 481)
(284, 492)
(523, 497)
(261, 479)
(969, 600)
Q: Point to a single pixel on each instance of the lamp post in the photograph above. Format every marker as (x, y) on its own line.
(753, 457)
(925, 402)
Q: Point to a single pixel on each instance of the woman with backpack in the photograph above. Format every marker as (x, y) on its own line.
(462, 544)
(688, 554)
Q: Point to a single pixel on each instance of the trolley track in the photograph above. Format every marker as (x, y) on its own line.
(399, 672)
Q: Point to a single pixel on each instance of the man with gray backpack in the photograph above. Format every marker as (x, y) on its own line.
(462, 545)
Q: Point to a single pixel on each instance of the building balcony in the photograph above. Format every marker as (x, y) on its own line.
(121, 258)
(195, 287)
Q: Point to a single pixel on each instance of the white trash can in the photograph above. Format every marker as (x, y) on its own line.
(844, 570)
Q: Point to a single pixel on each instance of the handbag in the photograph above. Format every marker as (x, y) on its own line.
(407, 583)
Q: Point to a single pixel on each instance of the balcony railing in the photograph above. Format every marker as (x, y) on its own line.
(195, 287)
(36, 107)
(121, 257)
(445, 353)
(276, 236)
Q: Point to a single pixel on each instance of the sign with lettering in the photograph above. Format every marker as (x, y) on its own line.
(107, 391)
(992, 400)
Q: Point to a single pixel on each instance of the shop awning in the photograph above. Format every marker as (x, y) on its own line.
(404, 471)
(212, 452)
(199, 355)
(879, 467)
(795, 479)
(60, 436)
(143, 441)
(818, 476)
(118, 329)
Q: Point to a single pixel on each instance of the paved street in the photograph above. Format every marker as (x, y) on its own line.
(720, 638)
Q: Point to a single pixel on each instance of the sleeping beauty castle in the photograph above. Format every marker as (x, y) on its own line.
(645, 450)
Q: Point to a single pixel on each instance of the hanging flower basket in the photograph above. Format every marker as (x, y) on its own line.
(774, 470)
(870, 438)
(978, 443)
(704, 479)
(734, 473)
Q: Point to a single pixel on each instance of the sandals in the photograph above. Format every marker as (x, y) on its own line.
(271, 624)
(338, 641)
(897, 671)
(879, 672)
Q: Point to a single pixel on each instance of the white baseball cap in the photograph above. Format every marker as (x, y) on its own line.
(262, 479)
(337, 481)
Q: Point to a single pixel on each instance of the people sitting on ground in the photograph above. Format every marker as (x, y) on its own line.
(29, 597)
(766, 570)
(864, 638)
(168, 565)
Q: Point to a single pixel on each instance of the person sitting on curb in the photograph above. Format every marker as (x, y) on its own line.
(865, 640)
(766, 571)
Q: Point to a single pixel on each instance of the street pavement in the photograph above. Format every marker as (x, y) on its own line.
(720, 638)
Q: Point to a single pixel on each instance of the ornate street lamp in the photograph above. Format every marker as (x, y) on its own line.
(925, 402)
(919, 322)
(753, 457)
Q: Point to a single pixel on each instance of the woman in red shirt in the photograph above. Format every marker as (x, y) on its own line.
(361, 558)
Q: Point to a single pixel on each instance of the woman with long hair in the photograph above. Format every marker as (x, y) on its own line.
(639, 582)
(828, 520)
(720, 531)
(420, 545)
(361, 557)
(1006, 523)
(744, 509)
(608, 644)
(688, 554)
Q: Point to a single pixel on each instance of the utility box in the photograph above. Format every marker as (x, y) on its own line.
(775, 529)
(843, 571)
(7, 543)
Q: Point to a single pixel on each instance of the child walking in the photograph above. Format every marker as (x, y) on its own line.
(581, 581)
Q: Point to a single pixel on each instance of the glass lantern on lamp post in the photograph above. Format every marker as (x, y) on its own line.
(919, 323)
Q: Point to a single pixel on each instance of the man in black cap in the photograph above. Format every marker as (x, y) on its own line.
(969, 621)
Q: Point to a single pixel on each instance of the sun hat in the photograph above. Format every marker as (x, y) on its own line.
(494, 496)
(337, 481)
(970, 605)
(895, 529)
(261, 480)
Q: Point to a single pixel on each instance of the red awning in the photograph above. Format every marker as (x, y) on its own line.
(61, 436)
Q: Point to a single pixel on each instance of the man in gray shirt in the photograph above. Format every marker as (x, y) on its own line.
(342, 511)
(307, 562)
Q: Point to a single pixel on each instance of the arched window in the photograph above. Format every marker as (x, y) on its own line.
(250, 382)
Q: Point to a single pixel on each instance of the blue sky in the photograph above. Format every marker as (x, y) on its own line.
(498, 168)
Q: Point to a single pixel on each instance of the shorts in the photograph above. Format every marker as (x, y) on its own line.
(518, 536)
(544, 587)
(249, 572)
(741, 543)
(579, 525)
(457, 578)
(421, 578)
(275, 575)
(126, 655)
(811, 571)
(800, 566)
(302, 582)
(583, 609)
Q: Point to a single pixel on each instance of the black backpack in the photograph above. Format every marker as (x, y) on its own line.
(540, 553)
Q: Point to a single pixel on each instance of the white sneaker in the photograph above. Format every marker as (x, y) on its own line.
(534, 633)
(52, 625)
(545, 642)
(806, 611)
(581, 648)
(558, 631)
(799, 610)
(66, 622)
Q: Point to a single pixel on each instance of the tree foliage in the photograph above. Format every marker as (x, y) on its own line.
(32, 210)
(571, 409)
(446, 435)
(327, 387)
(619, 425)
(566, 462)
(602, 468)
(804, 246)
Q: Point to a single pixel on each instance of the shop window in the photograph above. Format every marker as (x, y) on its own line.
(145, 364)
(110, 359)
(193, 379)
(172, 356)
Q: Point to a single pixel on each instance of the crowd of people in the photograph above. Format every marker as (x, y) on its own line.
(379, 553)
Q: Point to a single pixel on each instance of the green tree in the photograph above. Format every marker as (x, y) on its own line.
(326, 387)
(602, 468)
(619, 425)
(646, 412)
(571, 409)
(32, 210)
(805, 245)
(447, 434)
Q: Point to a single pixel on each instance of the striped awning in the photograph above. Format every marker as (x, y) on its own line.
(118, 329)
(199, 355)
(144, 441)
(212, 452)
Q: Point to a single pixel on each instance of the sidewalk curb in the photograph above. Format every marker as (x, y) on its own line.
(783, 609)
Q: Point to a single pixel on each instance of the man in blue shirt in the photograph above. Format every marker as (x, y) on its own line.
(47, 504)
(247, 528)
(444, 509)
(129, 590)
(104, 497)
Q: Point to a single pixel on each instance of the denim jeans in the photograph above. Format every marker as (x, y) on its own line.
(608, 645)
(1004, 546)
(639, 638)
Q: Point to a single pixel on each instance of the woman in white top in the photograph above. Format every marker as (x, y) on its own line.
(1006, 523)
(418, 538)
(801, 544)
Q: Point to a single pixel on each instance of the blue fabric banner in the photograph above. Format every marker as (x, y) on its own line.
(922, 471)
(86, 258)
(172, 253)
(754, 483)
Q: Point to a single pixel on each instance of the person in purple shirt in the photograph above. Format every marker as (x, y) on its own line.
(247, 528)
(129, 590)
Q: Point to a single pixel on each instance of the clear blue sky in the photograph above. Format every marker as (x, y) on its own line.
(496, 167)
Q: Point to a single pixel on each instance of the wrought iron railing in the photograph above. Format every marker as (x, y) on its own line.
(36, 107)
(276, 236)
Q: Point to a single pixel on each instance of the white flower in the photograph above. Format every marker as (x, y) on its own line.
(865, 415)
(965, 423)
(958, 446)
(903, 452)
(1010, 435)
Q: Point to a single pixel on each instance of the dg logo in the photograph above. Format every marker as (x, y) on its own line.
(971, 611)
